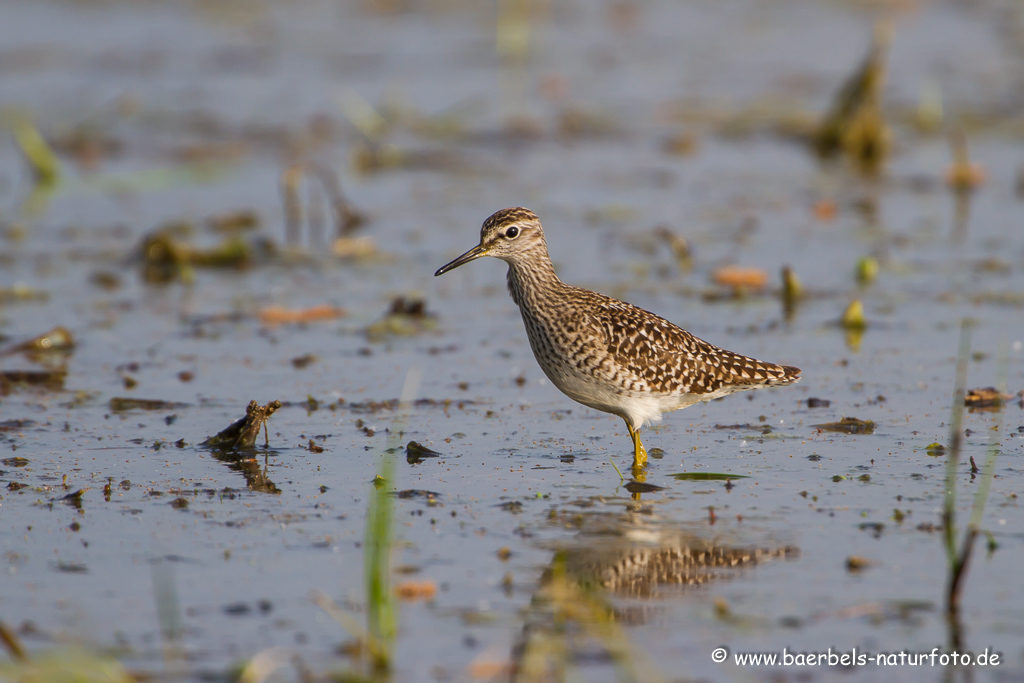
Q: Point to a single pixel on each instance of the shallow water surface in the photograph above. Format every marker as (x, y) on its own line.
(122, 533)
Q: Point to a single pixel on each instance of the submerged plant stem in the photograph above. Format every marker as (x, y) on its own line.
(960, 560)
(955, 443)
(989, 467)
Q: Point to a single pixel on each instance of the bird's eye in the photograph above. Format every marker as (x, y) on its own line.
(512, 233)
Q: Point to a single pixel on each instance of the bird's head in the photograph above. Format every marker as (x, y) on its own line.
(510, 234)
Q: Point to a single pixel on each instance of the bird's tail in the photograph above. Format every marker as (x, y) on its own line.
(787, 375)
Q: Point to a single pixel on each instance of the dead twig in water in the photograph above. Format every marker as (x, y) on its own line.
(957, 561)
(242, 433)
(12, 643)
(346, 217)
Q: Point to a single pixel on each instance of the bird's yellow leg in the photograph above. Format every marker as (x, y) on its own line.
(639, 453)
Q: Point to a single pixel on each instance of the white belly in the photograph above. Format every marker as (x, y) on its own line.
(638, 409)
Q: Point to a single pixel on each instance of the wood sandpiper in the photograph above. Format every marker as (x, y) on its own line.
(604, 353)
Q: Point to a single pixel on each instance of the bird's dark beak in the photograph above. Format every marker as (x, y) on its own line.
(471, 255)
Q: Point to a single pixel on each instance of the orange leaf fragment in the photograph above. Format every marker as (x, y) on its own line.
(488, 669)
(416, 590)
(739, 277)
(825, 210)
(278, 315)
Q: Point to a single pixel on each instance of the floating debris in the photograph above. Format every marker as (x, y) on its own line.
(813, 402)
(279, 315)
(303, 361)
(59, 339)
(166, 258)
(406, 494)
(242, 433)
(792, 291)
(415, 452)
(634, 486)
(411, 591)
(74, 499)
(856, 563)
(847, 425)
(986, 398)
(866, 270)
(763, 428)
(993, 265)
(707, 476)
(681, 144)
(163, 260)
(853, 317)
(50, 380)
(739, 278)
(405, 318)
(120, 404)
(854, 323)
(104, 279)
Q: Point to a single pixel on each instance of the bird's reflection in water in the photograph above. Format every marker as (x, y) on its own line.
(638, 564)
(589, 592)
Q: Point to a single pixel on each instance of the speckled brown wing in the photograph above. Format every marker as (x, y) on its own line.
(654, 355)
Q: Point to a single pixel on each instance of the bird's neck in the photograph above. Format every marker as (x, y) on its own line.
(531, 281)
